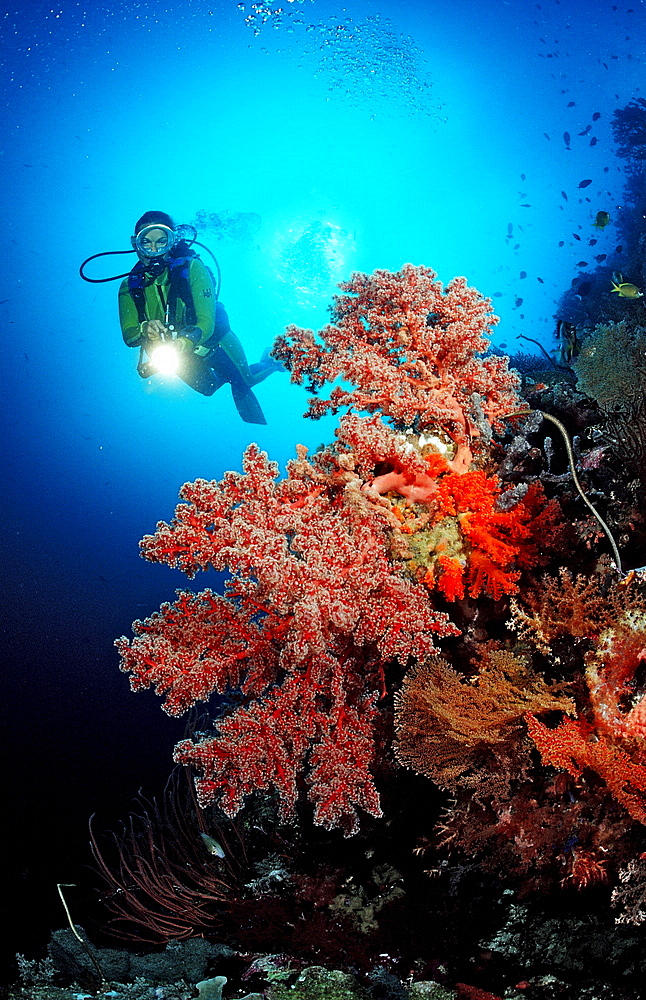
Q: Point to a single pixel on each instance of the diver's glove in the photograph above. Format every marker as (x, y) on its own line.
(192, 333)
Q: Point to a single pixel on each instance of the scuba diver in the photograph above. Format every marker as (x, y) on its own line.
(169, 309)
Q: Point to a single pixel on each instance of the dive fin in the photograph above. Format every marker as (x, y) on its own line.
(246, 404)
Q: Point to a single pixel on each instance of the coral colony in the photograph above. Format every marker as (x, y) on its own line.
(407, 576)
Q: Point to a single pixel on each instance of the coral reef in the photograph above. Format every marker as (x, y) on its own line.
(411, 350)
(611, 365)
(316, 607)
(427, 599)
(448, 728)
(312, 612)
(629, 129)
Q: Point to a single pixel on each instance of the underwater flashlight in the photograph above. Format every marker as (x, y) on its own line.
(165, 359)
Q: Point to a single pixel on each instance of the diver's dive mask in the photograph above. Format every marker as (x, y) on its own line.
(153, 243)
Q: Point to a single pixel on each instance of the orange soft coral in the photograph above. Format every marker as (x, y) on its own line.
(467, 543)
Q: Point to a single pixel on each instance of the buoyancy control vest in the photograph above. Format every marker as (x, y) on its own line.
(178, 264)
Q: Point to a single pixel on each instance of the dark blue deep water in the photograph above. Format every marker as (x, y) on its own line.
(304, 145)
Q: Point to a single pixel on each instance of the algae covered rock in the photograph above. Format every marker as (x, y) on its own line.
(428, 990)
(317, 983)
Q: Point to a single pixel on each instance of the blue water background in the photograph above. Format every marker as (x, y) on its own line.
(376, 134)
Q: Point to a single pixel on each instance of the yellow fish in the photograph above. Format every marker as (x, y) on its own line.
(625, 288)
(601, 220)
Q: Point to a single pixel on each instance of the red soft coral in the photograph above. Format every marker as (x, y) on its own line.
(318, 602)
(574, 746)
(311, 616)
(409, 348)
(618, 700)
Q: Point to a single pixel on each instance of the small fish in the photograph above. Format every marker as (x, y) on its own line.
(546, 136)
(566, 139)
(601, 220)
(586, 130)
(212, 845)
(625, 289)
(518, 302)
(541, 280)
(497, 295)
(594, 140)
(563, 195)
(618, 249)
(585, 183)
(596, 116)
(576, 236)
(582, 263)
(562, 243)
(523, 274)
(600, 258)
(571, 104)
(525, 206)
(510, 229)
(522, 177)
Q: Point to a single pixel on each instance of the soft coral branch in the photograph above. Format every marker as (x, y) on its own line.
(409, 348)
(312, 614)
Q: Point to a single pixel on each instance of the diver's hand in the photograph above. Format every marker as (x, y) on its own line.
(153, 329)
